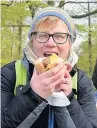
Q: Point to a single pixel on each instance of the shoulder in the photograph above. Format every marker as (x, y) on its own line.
(95, 69)
(84, 82)
(81, 74)
(8, 75)
(8, 68)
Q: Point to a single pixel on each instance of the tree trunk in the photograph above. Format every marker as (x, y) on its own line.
(20, 37)
(89, 39)
(12, 45)
(50, 2)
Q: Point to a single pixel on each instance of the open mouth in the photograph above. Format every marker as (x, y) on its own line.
(49, 54)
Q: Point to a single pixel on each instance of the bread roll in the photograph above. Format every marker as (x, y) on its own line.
(46, 63)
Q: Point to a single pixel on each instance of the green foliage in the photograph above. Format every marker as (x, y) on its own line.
(88, 50)
(61, 3)
(17, 12)
(82, 28)
(8, 43)
(13, 14)
(84, 62)
(50, 2)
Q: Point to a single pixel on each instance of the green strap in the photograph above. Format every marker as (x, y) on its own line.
(21, 74)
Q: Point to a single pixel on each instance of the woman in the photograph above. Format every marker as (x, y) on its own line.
(94, 76)
(52, 31)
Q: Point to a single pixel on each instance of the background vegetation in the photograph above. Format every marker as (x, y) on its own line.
(16, 18)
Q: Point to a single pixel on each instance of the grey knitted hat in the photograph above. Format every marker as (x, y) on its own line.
(53, 11)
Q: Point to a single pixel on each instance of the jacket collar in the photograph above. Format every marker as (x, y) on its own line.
(25, 62)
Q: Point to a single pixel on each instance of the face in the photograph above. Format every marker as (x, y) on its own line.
(50, 47)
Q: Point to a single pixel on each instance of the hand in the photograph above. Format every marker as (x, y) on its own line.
(44, 84)
(66, 87)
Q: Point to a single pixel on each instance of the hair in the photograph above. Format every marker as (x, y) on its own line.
(47, 23)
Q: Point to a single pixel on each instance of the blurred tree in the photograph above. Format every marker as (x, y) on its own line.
(14, 28)
(13, 15)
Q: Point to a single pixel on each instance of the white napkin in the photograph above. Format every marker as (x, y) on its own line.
(58, 99)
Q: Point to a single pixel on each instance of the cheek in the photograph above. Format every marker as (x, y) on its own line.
(36, 45)
(64, 50)
(37, 48)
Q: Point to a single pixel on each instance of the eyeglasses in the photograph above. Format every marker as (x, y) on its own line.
(59, 38)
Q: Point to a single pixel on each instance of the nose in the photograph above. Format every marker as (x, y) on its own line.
(50, 42)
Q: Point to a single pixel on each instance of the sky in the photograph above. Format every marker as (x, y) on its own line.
(77, 9)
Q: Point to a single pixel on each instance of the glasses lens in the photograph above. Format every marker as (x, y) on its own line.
(60, 37)
(42, 37)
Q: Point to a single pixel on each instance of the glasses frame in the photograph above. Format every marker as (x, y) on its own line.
(50, 35)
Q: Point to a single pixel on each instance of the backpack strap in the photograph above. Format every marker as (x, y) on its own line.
(21, 74)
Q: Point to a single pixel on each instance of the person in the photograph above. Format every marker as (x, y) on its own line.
(25, 104)
(94, 79)
(94, 76)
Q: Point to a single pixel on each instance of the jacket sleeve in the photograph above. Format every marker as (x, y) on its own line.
(63, 118)
(83, 111)
(15, 109)
(94, 77)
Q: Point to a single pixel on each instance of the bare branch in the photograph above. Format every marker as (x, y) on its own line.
(77, 2)
(84, 15)
(8, 4)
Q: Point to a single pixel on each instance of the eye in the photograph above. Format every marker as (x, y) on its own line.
(42, 35)
(60, 36)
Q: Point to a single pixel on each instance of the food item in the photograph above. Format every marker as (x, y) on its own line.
(46, 63)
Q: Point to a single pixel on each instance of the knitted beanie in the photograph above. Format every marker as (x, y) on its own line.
(53, 11)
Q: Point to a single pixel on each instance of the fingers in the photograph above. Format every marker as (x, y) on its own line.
(51, 82)
(62, 76)
(63, 86)
(66, 88)
(69, 66)
(55, 78)
(45, 84)
(67, 75)
(50, 89)
(54, 70)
